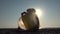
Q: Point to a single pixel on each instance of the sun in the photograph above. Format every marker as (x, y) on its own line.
(39, 12)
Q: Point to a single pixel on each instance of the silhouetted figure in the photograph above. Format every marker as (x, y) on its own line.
(30, 19)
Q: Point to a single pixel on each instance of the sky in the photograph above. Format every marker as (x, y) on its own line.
(10, 11)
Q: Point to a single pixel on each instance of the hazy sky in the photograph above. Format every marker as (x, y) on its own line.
(10, 11)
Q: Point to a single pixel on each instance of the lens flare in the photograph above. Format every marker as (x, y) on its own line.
(39, 12)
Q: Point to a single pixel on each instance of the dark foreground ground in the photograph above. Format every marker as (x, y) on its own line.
(40, 31)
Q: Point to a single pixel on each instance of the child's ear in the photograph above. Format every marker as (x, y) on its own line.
(24, 13)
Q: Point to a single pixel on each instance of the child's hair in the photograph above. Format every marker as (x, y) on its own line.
(31, 10)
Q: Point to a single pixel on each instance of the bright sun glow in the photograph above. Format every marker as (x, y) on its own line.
(39, 12)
